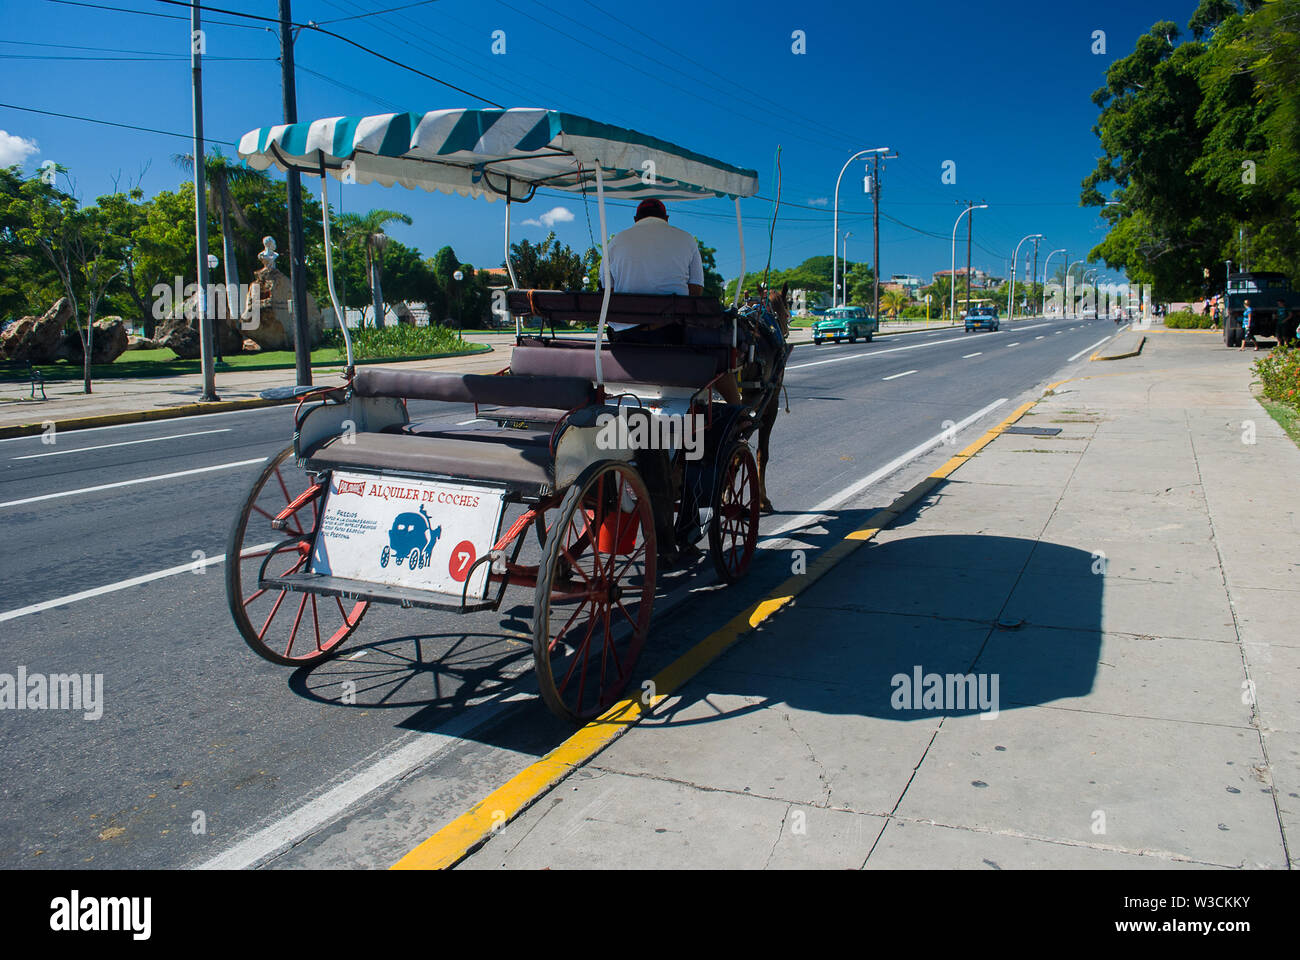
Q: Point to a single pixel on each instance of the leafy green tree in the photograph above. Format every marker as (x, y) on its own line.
(549, 265)
(81, 247)
(712, 279)
(28, 281)
(219, 175)
(367, 231)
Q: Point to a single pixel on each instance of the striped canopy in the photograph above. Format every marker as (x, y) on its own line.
(485, 153)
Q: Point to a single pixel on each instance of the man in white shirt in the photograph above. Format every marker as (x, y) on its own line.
(652, 257)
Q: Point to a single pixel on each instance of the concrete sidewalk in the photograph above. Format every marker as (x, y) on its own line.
(1131, 584)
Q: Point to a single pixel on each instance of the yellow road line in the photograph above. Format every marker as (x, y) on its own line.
(475, 826)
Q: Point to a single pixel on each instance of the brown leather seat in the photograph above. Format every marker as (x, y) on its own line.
(622, 363)
(562, 306)
(556, 393)
(522, 464)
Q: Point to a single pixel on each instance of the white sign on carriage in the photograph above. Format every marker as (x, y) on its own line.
(423, 534)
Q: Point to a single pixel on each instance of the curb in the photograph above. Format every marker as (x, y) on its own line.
(468, 832)
(1121, 356)
(196, 409)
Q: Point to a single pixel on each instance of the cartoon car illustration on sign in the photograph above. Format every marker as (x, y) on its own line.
(411, 538)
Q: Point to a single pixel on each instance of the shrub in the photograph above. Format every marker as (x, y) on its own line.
(403, 340)
(1279, 374)
(1188, 320)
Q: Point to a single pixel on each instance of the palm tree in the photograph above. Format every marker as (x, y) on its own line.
(894, 301)
(221, 174)
(369, 228)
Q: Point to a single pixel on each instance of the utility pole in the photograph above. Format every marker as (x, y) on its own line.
(875, 231)
(201, 209)
(293, 182)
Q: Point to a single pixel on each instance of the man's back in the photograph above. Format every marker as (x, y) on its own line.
(653, 257)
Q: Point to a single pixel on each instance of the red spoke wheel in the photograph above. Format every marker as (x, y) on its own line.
(595, 592)
(733, 530)
(279, 515)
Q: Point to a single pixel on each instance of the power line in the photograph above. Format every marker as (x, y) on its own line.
(110, 123)
(146, 13)
(377, 13)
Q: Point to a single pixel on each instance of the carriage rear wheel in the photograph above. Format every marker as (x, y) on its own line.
(279, 516)
(595, 592)
(733, 529)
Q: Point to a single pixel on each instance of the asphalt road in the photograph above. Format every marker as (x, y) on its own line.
(205, 751)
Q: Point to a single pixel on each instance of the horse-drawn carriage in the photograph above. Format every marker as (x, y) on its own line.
(366, 506)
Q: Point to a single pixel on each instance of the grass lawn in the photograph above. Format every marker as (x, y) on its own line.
(164, 363)
(1287, 417)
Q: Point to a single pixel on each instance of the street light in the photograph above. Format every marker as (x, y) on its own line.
(1067, 276)
(213, 262)
(835, 247)
(1045, 262)
(458, 276)
(952, 293)
(1011, 315)
(845, 260)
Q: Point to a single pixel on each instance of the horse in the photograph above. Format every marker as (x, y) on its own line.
(768, 370)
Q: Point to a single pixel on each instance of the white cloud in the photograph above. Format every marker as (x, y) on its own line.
(550, 218)
(14, 149)
(819, 201)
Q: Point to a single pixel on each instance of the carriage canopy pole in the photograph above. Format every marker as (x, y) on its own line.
(604, 270)
(510, 267)
(740, 234)
(329, 268)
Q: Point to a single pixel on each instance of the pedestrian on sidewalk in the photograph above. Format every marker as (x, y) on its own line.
(1245, 329)
(1282, 321)
(1218, 314)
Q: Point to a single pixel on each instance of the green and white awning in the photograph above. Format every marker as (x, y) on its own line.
(484, 153)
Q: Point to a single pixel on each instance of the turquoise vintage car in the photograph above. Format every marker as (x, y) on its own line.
(845, 323)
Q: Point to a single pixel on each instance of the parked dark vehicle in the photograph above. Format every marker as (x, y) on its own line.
(1263, 290)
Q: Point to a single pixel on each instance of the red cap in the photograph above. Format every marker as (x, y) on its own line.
(651, 208)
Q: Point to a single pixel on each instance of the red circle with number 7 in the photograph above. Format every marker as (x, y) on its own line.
(462, 559)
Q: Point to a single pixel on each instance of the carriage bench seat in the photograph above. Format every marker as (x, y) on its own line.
(647, 309)
(622, 363)
(551, 392)
(522, 464)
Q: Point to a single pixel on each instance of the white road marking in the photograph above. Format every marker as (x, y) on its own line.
(1040, 337)
(141, 423)
(361, 653)
(124, 443)
(835, 499)
(290, 829)
(1016, 344)
(969, 355)
(122, 584)
(897, 375)
(1059, 332)
(475, 420)
(875, 353)
(1034, 327)
(129, 483)
(1071, 360)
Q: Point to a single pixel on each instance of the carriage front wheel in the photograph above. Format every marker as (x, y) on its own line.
(595, 592)
(733, 529)
(279, 516)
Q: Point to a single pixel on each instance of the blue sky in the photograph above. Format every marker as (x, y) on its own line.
(999, 88)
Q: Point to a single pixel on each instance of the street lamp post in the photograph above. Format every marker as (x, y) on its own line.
(1011, 289)
(213, 263)
(835, 247)
(1045, 263)
(952, 293)
(458, 276)
(1067, 279)
(844, 259)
